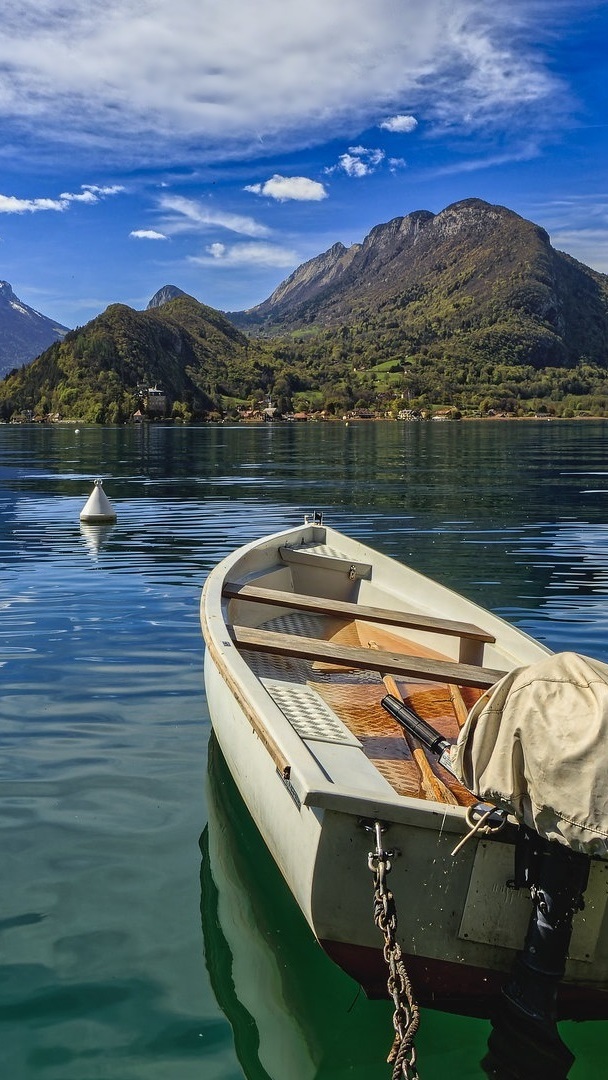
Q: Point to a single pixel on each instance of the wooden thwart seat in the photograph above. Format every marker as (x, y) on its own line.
(418, 667)
(322, 606)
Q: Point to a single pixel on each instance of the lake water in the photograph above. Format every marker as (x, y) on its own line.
(143, 931)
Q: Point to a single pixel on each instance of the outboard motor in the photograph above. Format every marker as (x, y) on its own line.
(556, 878)
(525, 1040)
(537, 746)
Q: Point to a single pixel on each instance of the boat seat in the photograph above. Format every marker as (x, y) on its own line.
(323, 606)
(391, 663)
(323, 557)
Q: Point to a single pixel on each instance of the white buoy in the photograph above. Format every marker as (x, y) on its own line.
(98, 508)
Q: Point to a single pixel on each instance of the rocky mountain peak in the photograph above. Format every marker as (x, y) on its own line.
(6, 292)
(164, 295)
(311, 278)
(24, 332)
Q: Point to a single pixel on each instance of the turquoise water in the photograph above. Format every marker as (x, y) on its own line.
(136, 939)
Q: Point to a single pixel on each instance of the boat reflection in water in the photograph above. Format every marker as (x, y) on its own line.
(294, 1013)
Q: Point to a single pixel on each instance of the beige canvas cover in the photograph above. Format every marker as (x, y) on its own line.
(538, 747)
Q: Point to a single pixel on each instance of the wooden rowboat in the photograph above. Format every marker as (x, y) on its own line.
(305, 632)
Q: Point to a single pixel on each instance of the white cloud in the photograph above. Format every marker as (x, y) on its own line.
(374, 155)
(112, 189)
(247, 254)
(402, 122)
(518, 151)
(353, 165)
(359, 161)
(578, 225)
(282, 188)
(142, 76)
(83, 196)
(11, 204)
(190, 215)
(589, 246)
(147, 234)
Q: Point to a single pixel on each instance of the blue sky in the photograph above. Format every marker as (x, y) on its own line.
(217, 144)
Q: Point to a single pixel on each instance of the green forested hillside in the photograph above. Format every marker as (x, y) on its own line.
(95, 373)
(470, 308)
(475, 282)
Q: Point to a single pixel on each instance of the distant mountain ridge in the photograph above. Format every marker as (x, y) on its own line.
(339, 267)
(99, 372)
(471, 307)
(465, 278)
(24, 332)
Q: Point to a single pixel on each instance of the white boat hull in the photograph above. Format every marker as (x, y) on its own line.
(312, 796)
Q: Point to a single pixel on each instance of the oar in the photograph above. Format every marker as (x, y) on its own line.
(431, 786)
(458, 703)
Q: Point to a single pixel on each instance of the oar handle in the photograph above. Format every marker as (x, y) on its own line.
(431, 785)
(428, 736)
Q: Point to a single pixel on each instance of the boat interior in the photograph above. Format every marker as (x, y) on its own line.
(327, 660)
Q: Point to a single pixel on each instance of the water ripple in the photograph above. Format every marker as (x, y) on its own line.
(103, 721)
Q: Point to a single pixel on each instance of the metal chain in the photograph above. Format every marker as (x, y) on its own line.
(406, 1015)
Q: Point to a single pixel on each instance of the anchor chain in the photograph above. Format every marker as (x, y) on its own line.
(406, 1015)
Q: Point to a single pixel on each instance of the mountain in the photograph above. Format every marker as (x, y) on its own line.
(474, 280)
(311, 280)
(100, 373)
(470, 308)
(24, 332)
(164, 295)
